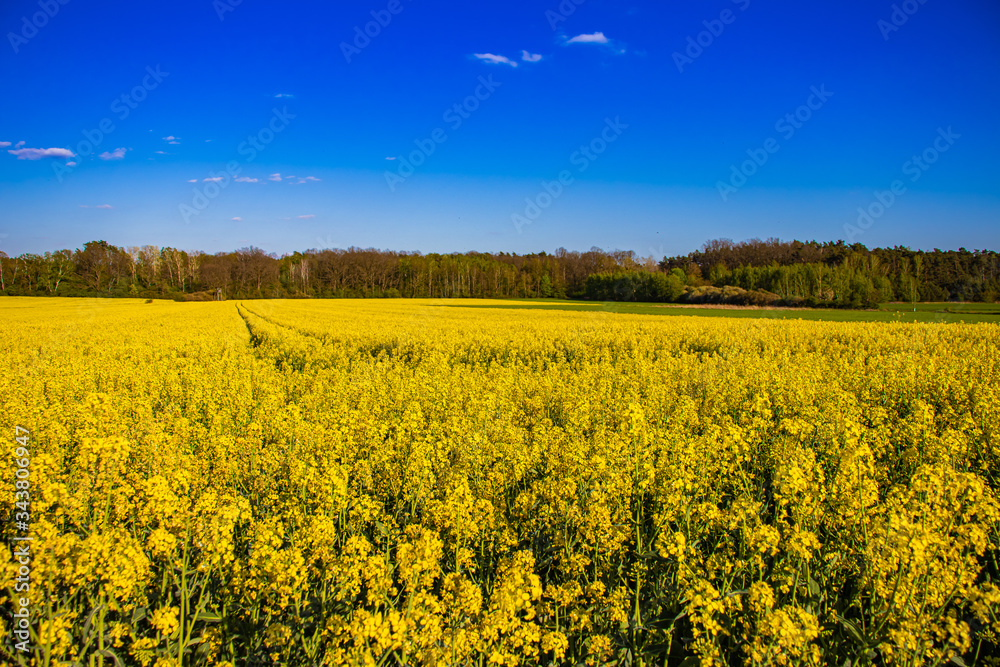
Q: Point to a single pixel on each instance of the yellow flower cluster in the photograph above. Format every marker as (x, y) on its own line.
(440, 483)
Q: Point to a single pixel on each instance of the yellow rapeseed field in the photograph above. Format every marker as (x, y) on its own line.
(438, 483)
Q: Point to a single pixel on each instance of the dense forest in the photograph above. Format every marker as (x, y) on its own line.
(750, 272)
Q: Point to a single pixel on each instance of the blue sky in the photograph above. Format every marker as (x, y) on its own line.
(456, 126)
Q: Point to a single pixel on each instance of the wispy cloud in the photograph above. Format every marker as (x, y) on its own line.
(104, 206)
(237, 219)
(18, 144)
(592, 38)
(494, 59)
(39, 153)
(306, 217)
(530, 57)
(192, 180)
(274, 177)
(212, 179)
(246, 179)
(390, 158)
(172, 139)
(162, 153)
(116, 154)
(281, 95)
(305, 179)
(4, 144)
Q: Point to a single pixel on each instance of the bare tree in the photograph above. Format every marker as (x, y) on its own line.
(255, 268)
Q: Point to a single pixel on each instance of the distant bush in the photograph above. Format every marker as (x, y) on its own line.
(736, 296)
(198, 296)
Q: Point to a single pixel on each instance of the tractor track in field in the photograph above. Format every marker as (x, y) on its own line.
(254, 339)
(283, 325)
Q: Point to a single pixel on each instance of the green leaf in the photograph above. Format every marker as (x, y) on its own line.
(852, 629)
(814, 588)
(108, 653)
(660, 624)
(656, 649)
(208, 617)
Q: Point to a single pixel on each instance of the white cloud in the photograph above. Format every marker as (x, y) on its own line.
(530, 57)
(390, 158)
(170, 138)
(161, 152)
(192, 180)
(71, 164)
(84, 206)
(213, 179)
(305, 179)
(306, 217)
(116, 154)
(593, 38)
(495, 59)
(280, 95)
(39, 153)
(104, 206)
(237, 219)
(4, 144)
(246, 179)
(18, 144)
(274, 177)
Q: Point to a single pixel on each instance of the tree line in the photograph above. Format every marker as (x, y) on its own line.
(755, 271)
(834, 273)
